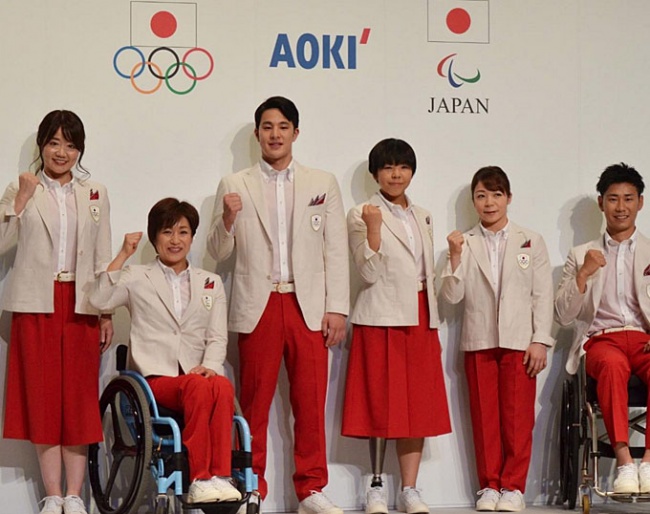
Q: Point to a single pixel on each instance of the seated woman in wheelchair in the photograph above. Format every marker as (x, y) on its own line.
(605, 289)
(178, 341)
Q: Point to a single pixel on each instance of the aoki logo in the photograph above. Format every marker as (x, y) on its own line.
(446, 70)
(329, 51)
(167, 28)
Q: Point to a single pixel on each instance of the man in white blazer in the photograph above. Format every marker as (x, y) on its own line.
(290, 292)
(178, 341)
(605, 289)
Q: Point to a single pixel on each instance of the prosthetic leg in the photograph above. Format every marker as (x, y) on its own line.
(377, 453)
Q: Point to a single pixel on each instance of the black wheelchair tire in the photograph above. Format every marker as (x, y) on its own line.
(128, 454)
(570, 442)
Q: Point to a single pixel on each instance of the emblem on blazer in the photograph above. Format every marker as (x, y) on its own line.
(316, 222)
(207, 301)
(94, 194)
(94, 212)
(646, 271)
(523, 259)
(526, 244)
(209, 284)
(318, 200)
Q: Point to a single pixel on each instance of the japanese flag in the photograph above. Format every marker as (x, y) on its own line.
(459, 21)
(163, 24)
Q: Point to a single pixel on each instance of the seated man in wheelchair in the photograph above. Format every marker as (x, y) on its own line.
(605, 288)
(178, 341)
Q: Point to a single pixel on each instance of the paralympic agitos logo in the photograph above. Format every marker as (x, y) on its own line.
(445, 69)
(167, 29)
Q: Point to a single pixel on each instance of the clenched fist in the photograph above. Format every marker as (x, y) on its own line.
(232, 204)
(455, 240)
(371, 216)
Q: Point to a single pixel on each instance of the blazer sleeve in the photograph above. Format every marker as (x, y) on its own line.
(453, 283)
(568, 299)
(111, 290)
(542, 295)
(216, 338)
(103, 251)
(221, 243)
(9, 221)
(369, 264)
(337, 268)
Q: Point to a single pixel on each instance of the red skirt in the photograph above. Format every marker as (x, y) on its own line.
(53, 375)
(395, 386)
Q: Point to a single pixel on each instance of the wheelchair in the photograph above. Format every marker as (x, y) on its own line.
(139, 434)
(579, 428)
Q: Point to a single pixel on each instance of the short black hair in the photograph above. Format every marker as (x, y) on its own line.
(282, 104)
(72, 129)
(619, 174)
(493, 178)
(391, 151)
(166, 213)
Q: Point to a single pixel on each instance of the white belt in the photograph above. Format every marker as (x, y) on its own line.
(422, 285)
(616, 329)
(283, 287)
(64, 276)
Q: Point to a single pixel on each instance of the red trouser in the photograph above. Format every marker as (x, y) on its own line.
(207, 405)
(502, 403)
(280, 332)
(610, 360)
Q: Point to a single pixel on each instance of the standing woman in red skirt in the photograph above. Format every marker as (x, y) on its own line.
(62, 224)
(395, 385)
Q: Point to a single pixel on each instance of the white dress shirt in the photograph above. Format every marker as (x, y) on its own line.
(61, 200)
(495, 246)
(179, 284)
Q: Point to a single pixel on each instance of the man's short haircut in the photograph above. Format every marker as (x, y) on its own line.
(282, 104)
(493, 178)
(619, 174)
(166, 213)
(391, 151)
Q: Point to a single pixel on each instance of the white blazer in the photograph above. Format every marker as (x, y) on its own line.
(159, 341)
(571, 305)
(524, 313)
(320, 257)
(30, 284)
(389, 292)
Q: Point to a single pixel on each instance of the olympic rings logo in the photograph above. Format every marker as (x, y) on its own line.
(155, 70)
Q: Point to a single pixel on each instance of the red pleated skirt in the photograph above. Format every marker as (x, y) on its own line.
(53, 375)
(395, 385)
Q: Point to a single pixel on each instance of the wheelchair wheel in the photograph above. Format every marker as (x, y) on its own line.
(586, 504)
(570, 442)
(117, 465)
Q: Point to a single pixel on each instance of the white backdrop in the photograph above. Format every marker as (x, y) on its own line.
(565, 83)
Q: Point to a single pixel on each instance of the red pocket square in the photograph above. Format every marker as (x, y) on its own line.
(209, 284)
(526, 244)
(646, 271)
(94, 195)
(318, 200)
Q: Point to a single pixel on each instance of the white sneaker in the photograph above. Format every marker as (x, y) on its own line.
(318, 503)
(644, 477)
(201, 491)
(227, 491)
(73, 505)
(376, 501)
(488, 500)
(511, 501)
(410, 502)
(52, 505)
(627, 479)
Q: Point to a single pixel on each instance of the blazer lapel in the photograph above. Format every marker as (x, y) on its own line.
(301, 197)
(159, 282)
(477, 247)
(253, 182)
(516, 238)
(196, 293)
(41, 204)
(82, 199)
(425, 226)
(394, 225)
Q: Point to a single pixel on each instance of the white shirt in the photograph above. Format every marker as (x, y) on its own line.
(179, 284)
(278, 190)
(495, 245)
(618, 306)
(61, 201)
(407, 217)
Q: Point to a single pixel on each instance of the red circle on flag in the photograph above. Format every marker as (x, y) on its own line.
(458, 20)
(163, 24)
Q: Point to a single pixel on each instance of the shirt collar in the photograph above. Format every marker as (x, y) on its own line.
(270, 174)
(609, 242)
(393, 207)
(50, 183)
(503, 233)
(170, 273)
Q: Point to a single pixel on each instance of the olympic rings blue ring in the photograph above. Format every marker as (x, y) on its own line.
(117, 54)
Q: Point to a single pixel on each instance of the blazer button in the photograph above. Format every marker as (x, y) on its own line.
(81, 252)
(268, 277)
